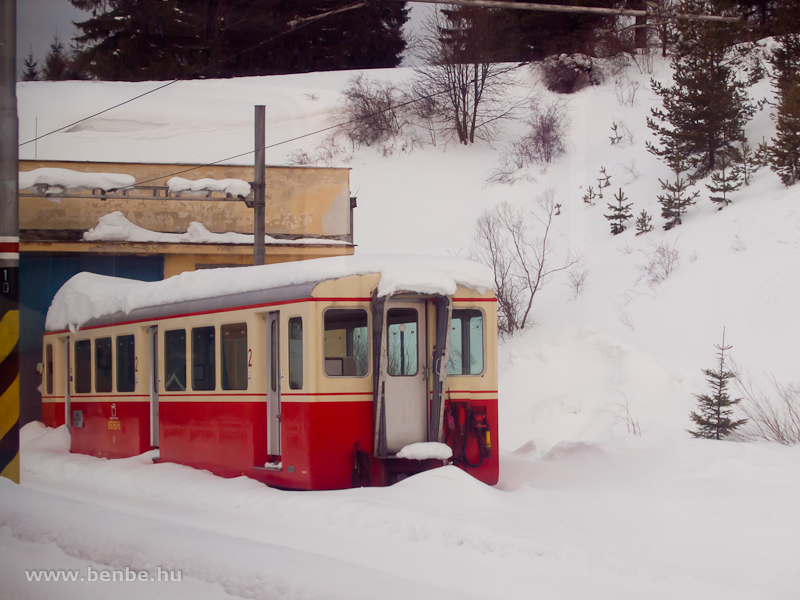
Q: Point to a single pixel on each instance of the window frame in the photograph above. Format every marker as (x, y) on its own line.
(223, 372)
(131, 367)
(369, 342)
(483, 343)
(79, 376)
(167, 358)
(210, 382)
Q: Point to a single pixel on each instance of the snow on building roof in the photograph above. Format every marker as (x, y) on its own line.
(234, 187)
(57, 181)
(88, 296)
(115, 227)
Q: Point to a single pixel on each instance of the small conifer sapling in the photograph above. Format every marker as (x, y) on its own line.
(713, 416)
(620, 213)
(643, 224)
(726, 179)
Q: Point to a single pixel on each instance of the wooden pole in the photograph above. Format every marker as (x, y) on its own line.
(259, 193)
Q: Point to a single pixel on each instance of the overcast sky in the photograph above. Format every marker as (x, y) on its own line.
(37, 23)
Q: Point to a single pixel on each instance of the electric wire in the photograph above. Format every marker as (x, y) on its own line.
(296, 24)
(318, 131)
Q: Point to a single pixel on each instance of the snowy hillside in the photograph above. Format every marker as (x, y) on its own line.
(586, 508)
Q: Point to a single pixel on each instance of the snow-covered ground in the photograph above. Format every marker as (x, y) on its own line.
(603, 493)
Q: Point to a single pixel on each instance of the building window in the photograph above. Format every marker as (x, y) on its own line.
(234, 356)
(126, 363)
(83, 367)
(203, 359)
(48, 368)
(466, 343)
(175, 360)
(296, 353)
(102, 365)
(346, 342)
(402, 342)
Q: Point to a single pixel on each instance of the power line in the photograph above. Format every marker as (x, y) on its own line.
(318, 131)
(294, 25)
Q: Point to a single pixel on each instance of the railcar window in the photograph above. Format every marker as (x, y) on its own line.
(83, 367)
(296, 353)
(402, 341)
(234, 356)
(175, 360)
(203, 359)
(466, 343)
(48, 368)
(126, 363)
(346, 342)
(102, 365)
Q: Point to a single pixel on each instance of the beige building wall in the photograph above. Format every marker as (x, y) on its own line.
(300, 201)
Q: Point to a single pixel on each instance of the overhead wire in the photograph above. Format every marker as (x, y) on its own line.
(294, 25)
(318, 131)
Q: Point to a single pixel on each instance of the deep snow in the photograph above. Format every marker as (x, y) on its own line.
(585, 508)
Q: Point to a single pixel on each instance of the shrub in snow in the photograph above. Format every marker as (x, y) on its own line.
(374, 111)
(661, 260)
(773, 417)
(713, 417)
(568, 74)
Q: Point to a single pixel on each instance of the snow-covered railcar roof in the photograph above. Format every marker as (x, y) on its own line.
(90, 298)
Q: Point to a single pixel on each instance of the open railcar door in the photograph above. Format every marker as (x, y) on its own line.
(405, 372)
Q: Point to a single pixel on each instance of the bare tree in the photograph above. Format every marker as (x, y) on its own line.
(517, 246)
(469, 91)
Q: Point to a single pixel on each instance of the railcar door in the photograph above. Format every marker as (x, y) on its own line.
(405, 392)
(154, 386)
(273, 385)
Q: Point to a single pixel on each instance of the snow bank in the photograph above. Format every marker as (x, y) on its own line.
(57, 181)
(88, 296)
(234, 187)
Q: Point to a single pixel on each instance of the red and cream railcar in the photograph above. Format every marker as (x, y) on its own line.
(322, 384)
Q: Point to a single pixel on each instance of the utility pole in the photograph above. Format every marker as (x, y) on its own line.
(9, 245)
(259, 193)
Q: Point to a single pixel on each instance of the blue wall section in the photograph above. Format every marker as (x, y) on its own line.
(41, 276)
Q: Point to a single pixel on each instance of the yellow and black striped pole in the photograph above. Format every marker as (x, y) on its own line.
(9, 361)
(9, 245)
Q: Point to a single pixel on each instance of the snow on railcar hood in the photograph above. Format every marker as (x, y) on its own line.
(88, 296)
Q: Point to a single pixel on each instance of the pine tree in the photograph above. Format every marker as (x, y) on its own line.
(784, 152)
(676, 201)
(713, 418)
(643, 223)
(31, 68)
(620, 213)
(726, 179)
(706, 108)
(56, 63)
(134, 40)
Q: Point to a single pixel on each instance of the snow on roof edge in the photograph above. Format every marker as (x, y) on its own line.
(88, 296)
